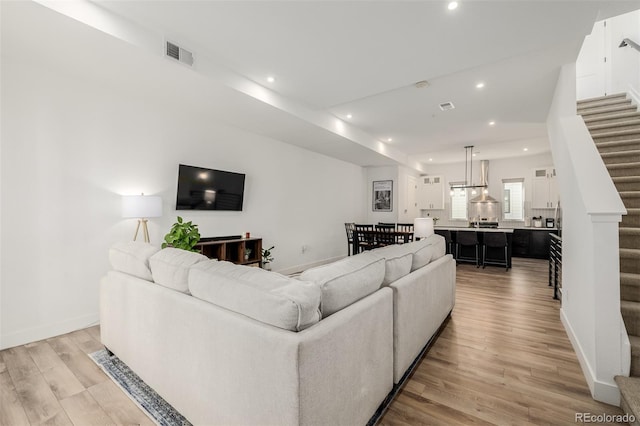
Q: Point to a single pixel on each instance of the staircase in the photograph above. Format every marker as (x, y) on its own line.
(614, 124)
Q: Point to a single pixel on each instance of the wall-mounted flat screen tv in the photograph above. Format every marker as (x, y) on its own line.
(208, 189)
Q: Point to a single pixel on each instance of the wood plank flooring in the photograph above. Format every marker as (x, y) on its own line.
(503, 358)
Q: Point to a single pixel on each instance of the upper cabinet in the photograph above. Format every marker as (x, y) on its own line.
(431, 193)
(545, 189)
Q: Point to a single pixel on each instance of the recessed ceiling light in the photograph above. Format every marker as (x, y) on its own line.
(271, 79)
(349, 116)
(452, 5)
(492, 123)
(526, 149)
(430, 159)
(474, 154)
(389, 140)
(480, 85)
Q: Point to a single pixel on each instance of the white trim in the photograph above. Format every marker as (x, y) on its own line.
(44, 332)
(600, 391)
(634, 95)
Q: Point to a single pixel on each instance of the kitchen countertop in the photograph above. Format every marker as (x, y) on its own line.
(509, 229)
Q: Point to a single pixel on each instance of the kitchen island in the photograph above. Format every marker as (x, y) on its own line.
(529, 242)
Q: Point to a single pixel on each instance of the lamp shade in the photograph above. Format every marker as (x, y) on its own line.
(422, 227)
(141, 206)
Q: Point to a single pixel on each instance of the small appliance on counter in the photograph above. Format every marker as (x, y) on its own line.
(527, 221)
(537, 222)
(550, 222)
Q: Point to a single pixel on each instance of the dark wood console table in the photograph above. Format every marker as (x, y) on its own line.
(241, 251)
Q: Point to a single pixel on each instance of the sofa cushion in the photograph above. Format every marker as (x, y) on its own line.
(398, 261)
(132, 258)
(346, 281)
(426, 250)
(170, 267)
(265, 296)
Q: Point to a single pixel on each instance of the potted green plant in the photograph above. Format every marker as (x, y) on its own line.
(267, 258)
(183, 235)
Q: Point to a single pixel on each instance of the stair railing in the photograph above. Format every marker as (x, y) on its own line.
(630, 43)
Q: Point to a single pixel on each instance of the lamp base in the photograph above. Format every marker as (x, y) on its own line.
(145, 230)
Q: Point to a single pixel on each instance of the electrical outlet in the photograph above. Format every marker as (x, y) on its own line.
(304, 249)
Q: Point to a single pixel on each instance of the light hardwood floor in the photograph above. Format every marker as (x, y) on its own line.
(503, 358)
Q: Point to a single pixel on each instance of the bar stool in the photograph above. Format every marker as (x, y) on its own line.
(447, 239)
(466, 239)
(495, 240)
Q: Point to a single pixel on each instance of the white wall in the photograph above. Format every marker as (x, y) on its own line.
(71, 147)
(590, 266)
(517, 167)
(621, 72)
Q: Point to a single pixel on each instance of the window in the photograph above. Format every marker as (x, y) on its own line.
(513, 199)
(458, 202)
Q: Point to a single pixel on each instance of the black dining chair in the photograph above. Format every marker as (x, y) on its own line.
(349, 227)
(467, 239)
(385, 235)
(364, 237)
(496, 240)
(407, 229)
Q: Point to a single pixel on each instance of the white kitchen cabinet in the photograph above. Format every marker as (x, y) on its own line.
(545, 188)
(431, 193)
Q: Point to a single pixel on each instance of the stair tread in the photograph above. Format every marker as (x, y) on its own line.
(615, 133)
(600, 98)
(621, 142)
(629, 230)
(614, 125)
(635, 341)
(623, 165)
(629, 194)
(630, 392)
(614, 116)
(626, 179)
(607, 109)
(630, 253)
(620, 153)
(602, 102)
(630, 276)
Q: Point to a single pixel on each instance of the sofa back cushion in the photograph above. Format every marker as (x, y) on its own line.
(132, 258)
(398, 261)
(346, 281)
(170, 267)
(426, 250)
(265, 296)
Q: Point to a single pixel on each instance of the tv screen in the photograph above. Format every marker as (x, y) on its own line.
(207, 189)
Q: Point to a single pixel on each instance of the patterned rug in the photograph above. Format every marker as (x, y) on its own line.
(146, 398)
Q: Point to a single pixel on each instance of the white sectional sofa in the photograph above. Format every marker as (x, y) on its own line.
(227, 344)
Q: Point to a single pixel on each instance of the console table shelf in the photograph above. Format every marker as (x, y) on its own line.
(242, 251)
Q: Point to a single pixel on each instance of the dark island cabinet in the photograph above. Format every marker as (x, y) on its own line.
(532, 243)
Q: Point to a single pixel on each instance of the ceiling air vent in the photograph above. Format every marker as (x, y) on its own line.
(179, 54)
(446, 106)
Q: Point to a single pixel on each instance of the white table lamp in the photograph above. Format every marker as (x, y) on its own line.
(422, 227)
(142, 207)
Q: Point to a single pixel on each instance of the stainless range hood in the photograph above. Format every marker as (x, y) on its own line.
(484, 196)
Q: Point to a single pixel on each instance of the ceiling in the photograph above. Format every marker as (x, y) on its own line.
(334, 58)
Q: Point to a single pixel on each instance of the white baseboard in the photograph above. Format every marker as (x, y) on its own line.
(34, 334)
(304, 267)
(634, 95)
(600, 391)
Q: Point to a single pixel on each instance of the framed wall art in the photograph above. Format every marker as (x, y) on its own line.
(383, 196)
